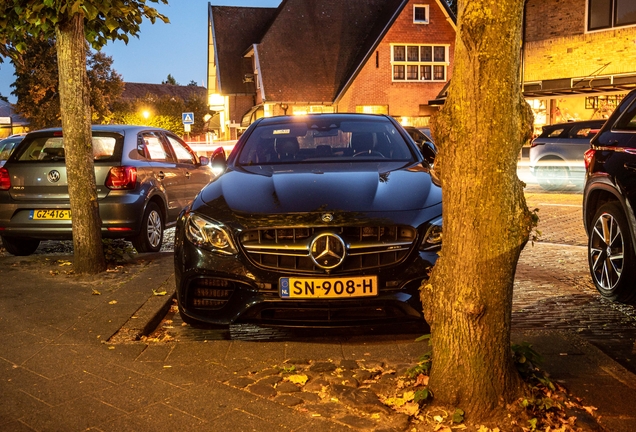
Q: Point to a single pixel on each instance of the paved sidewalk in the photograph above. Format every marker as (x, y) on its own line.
(59, 372)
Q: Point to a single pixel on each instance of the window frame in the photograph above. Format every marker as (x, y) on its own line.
(427, 10)
(613, 17)
(400, 68)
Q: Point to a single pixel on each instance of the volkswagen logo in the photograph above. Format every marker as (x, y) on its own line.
(53, 176)
(327, 217)
(327, 251)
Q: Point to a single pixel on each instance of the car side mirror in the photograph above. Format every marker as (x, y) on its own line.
(204, 160)
(219, 164)
(428, 151)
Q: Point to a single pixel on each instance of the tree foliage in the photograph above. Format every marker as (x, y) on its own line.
(37, 83)
(164, 112)
(170, 80)
(104, 20)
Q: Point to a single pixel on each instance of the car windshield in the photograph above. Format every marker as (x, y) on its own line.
(51, 148)
(325, 141)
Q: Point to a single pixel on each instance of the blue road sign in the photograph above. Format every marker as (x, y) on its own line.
(188, 118)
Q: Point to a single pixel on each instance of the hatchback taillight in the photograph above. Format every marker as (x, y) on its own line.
(534, 143)
(587, 157)
(5, 180)
(121, 177)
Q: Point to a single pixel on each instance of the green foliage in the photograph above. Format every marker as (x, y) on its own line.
(526, 360)
(458, 415)
(117, 251)
(164, 112)
(105, 20)
(288, 369)
(37, 82)
(421, 395)
(170, 80)
(422, 367)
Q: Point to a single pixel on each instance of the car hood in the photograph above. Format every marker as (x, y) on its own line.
(361, 188)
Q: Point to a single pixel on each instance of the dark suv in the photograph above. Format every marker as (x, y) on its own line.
(144, 175)
(556, 156)
(608, 204)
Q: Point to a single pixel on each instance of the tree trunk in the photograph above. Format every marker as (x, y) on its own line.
(480, 131)
(88, 252)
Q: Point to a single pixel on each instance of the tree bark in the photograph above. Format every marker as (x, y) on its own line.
(480, 132)
(88, 254)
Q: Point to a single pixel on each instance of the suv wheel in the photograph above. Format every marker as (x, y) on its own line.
(552, 178)
(20, 246)
(611, 254)
(150, 237)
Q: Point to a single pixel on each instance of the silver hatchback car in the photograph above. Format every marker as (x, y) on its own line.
(144, 175)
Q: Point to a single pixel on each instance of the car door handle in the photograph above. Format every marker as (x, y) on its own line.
(187, 174)
(161, 175)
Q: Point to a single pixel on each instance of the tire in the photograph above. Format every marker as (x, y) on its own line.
(552, 178)
(150, 236)
(611, 256)
(20, 246)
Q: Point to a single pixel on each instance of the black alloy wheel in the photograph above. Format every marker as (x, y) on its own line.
(611, 254)
(150, 237)
(20, 246)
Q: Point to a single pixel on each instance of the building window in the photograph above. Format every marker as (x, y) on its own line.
(604, 14)
(419, 62)
(372, 109)
(420, 14)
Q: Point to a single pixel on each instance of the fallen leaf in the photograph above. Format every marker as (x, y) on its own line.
(590, 409)
(297, 379)
(64, 263)
(375, 416)
(95, 292)
(422, 380)
(112, 302)
(111, 347)
(410, 408)
(158, 293)
(408, 396)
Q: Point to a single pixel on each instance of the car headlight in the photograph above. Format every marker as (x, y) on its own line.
(433, 237)
(208, 234)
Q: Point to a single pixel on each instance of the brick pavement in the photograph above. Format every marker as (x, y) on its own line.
(553, 288)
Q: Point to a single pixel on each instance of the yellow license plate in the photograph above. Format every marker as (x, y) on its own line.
(51, 214)
(299, 288)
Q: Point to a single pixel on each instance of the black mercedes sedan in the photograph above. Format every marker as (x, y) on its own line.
(316, 220)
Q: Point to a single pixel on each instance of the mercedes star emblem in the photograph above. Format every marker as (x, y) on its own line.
(327, 251)
(327, 217)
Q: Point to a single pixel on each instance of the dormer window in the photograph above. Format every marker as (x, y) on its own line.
(420, 14)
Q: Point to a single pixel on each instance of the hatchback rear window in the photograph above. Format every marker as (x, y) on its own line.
(51, 148)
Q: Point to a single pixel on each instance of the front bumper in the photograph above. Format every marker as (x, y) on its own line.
(222, 290)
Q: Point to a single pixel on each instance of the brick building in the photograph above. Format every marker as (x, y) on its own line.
(579, 57)
(376, 56)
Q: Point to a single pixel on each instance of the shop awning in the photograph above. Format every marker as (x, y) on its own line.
(579, 86)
